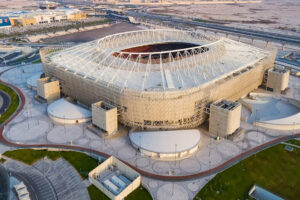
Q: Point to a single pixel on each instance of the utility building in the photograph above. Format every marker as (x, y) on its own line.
(48, 89)
(278, 80)
(105, 117)
(115, 179)
(225, 118)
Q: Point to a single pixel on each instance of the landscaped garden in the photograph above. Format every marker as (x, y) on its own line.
(138, 194)
(275, 169)
(82, 162)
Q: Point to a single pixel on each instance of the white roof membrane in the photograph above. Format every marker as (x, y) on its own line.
(185, 68)
(166, 141)
(65, 110)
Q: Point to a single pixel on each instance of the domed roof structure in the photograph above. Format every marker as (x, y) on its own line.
(167, 143)
(65, 112)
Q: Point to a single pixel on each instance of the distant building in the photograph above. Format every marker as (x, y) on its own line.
(5, 22)
(48, 5)
(42, 17)
(169, 2)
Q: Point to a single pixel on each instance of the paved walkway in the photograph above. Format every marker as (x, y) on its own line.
(37, 184)
(191, 175)
(293, 145)
(64, 178)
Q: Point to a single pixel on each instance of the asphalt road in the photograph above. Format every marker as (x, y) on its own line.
(276, 37)
(27, 61)
(4, 102)
(290, 62)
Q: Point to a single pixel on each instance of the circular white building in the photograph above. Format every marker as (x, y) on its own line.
(167, 145)
(64, 112)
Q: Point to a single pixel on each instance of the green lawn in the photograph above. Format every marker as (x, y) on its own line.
(2, 160)
(37, 61)
(96, 194)
(295, 142)
(80, 161)
(13, 104)
(274, 169)
(139, 194)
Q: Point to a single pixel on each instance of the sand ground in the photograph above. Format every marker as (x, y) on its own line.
(270, 14)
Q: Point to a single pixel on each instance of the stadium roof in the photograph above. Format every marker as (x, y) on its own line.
(109, 61)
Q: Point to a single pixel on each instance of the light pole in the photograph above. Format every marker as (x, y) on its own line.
(256, 121)
(175, 154)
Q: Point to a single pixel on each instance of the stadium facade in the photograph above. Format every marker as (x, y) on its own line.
(158, 79)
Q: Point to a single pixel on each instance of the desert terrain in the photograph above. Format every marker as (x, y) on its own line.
(274, 15)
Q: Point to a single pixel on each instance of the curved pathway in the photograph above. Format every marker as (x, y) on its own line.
(214, 170)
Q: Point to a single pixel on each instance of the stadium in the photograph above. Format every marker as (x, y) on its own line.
(158, 79)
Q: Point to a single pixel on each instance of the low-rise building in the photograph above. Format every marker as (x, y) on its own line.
(278, 80)
(5, 22)
(115, 179)
(48, 89)
(43, 17)
(105, 117)
(225, 118)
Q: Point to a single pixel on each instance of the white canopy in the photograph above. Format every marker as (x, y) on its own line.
(166, 141)
(66, 110)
